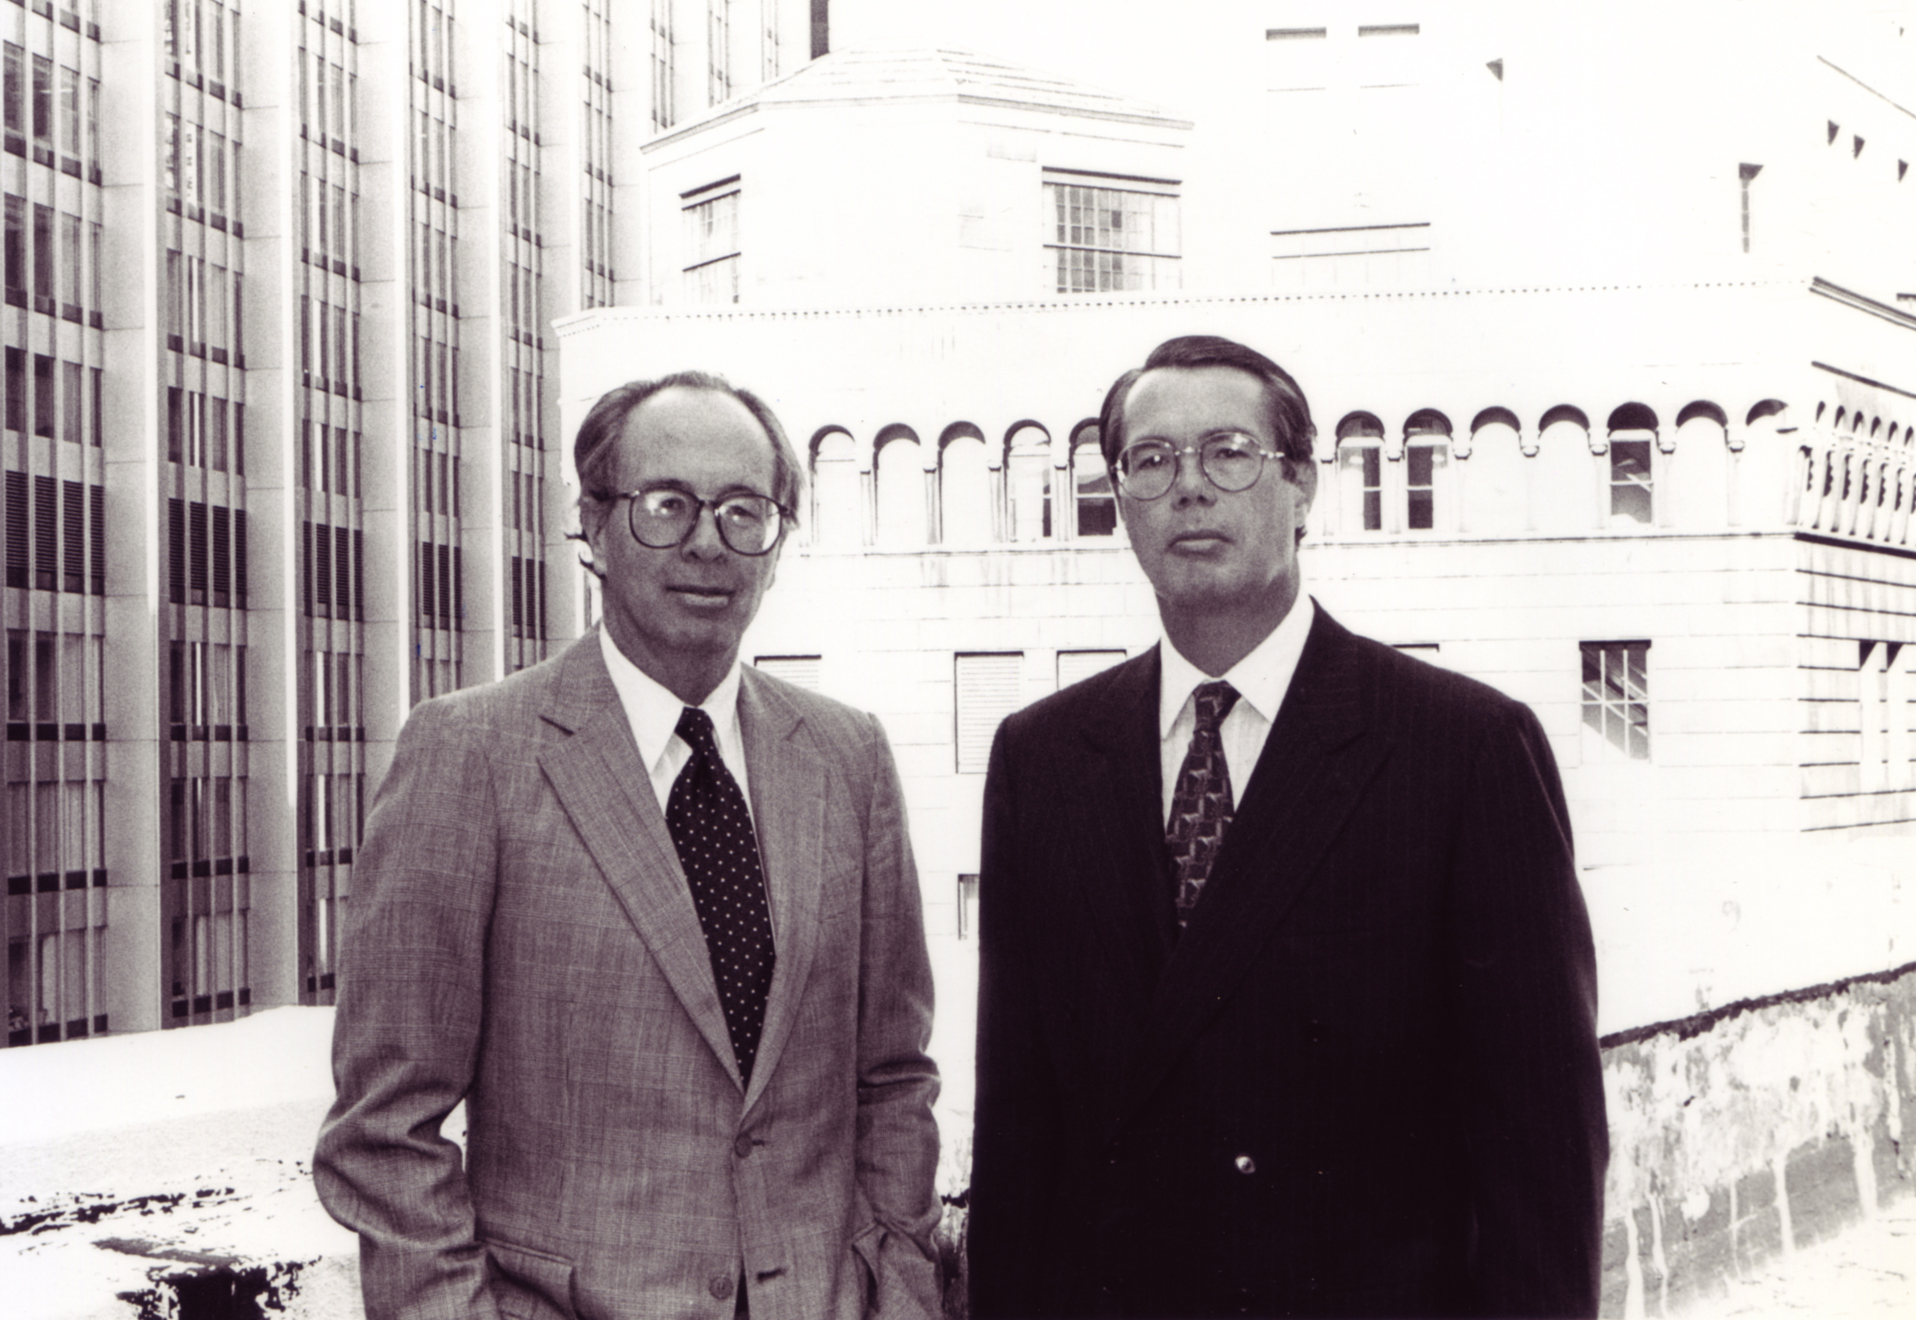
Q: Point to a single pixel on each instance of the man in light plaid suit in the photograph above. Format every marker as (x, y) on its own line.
(653, 917)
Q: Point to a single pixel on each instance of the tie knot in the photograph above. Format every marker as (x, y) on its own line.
(1214, 701)
(695, 726)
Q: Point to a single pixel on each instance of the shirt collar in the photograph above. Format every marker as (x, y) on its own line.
(1261, 678)
(651, 708)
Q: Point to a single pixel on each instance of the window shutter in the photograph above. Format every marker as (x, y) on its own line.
(306, 574)
(44, 541)
(16, 529)
(343, 571)
(196, 553)
(426, 598)
(798, 670)
(176, 551)
(518, 598)
(445, 584)
(359, 575)
(73, 535)
(1074, 666)
(323, 568)
(222, 554)
(987, 691)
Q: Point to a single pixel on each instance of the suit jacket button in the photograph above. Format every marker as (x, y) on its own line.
(720, 1287)
(743, 1146)
(1245, 1164)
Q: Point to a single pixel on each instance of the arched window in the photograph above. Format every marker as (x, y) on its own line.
(1360, 472)
(1097, 506)
(1426, 456)
(901, 488)
(1633, 429)
(837, 519)
(1028, 482)
(964, 487)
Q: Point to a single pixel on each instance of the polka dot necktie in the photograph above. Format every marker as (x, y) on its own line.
(1201, 806)
(712, 831)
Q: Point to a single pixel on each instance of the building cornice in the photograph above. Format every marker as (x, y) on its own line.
(1858, 302)
(1077, 303)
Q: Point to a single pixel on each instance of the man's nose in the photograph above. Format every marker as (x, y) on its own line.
(704, 541)
(1190, 483)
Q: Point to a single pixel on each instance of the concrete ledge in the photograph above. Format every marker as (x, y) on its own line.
(1741, 1134)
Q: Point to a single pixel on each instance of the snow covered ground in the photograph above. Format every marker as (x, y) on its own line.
(128, 1160)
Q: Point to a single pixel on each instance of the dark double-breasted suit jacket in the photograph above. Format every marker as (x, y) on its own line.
(522, 937)
(1364, 1080)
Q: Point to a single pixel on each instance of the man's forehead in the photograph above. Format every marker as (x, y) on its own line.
(689, 423)
(1219, 388)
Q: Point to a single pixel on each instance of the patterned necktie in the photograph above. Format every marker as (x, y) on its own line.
(713, 834)
(1201, 806)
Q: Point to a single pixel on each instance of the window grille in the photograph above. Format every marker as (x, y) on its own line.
(987, 691)
(1616, 695)
(1106, 239)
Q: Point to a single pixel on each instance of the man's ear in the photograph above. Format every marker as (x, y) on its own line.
(592, 520)
(1304, 477)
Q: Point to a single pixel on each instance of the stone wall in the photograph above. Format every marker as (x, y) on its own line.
(1752, 1130)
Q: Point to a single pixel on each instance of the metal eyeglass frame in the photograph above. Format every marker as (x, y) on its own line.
(699, 507)
(1177, 463)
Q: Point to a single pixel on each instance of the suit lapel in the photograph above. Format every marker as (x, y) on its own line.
(790, 787)
(603, 788)
(1314, 767)
(1113, 809)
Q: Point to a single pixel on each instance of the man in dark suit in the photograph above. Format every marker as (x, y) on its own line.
(653, 916)
(1287, 994)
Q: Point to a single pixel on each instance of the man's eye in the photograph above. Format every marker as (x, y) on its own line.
(1145, 460)
(664, 504)
(742, 513)
(1231, 449)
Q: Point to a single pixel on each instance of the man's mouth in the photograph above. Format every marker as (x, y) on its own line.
(703, 597)
(1198, 541)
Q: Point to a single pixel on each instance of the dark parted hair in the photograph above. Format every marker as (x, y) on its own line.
(1290, 414)
(593, 447)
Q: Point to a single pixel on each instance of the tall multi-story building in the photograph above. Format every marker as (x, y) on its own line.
(1624, 432)
(58, 469)
(280, 429)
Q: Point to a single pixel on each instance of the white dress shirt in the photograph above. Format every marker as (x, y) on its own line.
(1261, 679)
(654, 712)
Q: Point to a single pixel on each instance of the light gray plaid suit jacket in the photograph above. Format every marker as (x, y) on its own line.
(520, 936)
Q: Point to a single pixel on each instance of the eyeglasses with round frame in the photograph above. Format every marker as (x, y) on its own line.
(664, 518)
(1230, 460)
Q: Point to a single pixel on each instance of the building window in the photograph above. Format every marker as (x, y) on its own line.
(711, 245)
(1426, 453)
(1616, 696)
(664, 67)
(1630, 481)
(1360, 472)
(1097, 506)
(1028, 484)
(987, 691)
(1107, 238)
(718, 49)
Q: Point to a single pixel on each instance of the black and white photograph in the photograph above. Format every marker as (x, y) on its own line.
(1298, 697)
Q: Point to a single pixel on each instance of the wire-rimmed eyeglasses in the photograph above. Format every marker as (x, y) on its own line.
(1229, 460)
(664, 518)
